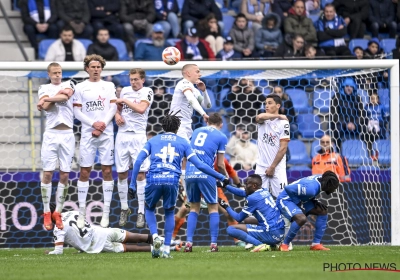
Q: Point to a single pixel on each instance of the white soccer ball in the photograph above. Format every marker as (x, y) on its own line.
(171, 55)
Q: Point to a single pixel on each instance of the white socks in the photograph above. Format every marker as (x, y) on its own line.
(140, 185)
(62, 191)
(83, 188)
(46, 196)
(108, 188)
(123, 193)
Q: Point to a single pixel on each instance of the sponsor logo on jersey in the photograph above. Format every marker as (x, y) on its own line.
(161, 176)
(168, 137)
(286, 126)
(200, 152)
(269, 139)
(166, 165)
(194, 176)
(286, 132)
(96, 105)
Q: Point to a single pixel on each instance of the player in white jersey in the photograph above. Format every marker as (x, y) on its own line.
(94, 106)
(58, 139)
(186, 98)
(131, 117)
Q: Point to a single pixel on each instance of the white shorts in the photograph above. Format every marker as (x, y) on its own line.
(115, 237)
(89, 146)
(58, 145)
(185, 131)
(127, 148)
(275, 184)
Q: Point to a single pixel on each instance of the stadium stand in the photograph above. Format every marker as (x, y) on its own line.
(363, 43)
(356, 152)
(309, 126)
(44, 46)
(383, 146)
(322, 100)
(298, 154)
(121, 49)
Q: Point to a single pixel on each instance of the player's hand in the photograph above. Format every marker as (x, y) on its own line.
(205, 118)
(132, 193)
(223, 203)
(53, 252)
(96, 133)
(220, 184)
(120, 101)
(270, 172)
(239, 186)
(320, 205)
(99, 126)
(119, 120)
(200, 85)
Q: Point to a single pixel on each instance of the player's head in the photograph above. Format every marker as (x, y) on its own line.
(93, 65)
(329, 182)
(171, 122)
(253, 183)
(54, 72)
(215, 119)
(136, 78)
(272, 103)
(191, 72)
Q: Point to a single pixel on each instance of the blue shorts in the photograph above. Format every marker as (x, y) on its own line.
(266, 237)
(195, 187)
(289, 209)
(154, 192)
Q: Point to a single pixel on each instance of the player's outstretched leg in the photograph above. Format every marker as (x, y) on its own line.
(180, 219)
(108, 188)
(168, 229)
(46, 196)
(140, 185)
(152, 223)
(62, 191)
(320, 226)
(214, 225)
(298, 221)
(83, 188)
(123, 196)
(239, 231)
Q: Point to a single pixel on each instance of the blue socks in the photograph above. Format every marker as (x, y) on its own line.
(191, 225)
(169, 226)
(151, 221)
(294, 228)
(320, 226)
(242, 235)
(214, 226)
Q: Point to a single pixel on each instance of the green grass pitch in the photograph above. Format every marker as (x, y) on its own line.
(230, 263)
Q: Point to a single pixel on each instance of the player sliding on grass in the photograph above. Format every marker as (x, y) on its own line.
(259, 203)
(298, 200)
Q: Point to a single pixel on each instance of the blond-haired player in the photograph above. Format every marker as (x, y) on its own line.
(131, 117)
(94, 106)
(58, 140)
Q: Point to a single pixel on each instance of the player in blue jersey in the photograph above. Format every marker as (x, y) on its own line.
(297, 201)
(206, 142)
(166, 151)
(270, 228)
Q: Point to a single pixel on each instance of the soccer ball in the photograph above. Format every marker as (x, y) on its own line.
(171, 55)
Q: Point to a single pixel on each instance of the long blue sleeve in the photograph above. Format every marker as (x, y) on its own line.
(205, 168)
(136, 168)
(236, 191)
(237, 216)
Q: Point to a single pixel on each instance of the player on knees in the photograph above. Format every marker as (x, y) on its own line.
(166, 151)
(94, 106)
(260, 204)
(58, 140)
(206, 143)
(131, 117)
(297, 201)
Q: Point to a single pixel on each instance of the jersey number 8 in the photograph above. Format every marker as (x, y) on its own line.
(200, 139)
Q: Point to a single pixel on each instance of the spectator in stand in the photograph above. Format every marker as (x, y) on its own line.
(331, 30)
(292, 47)
(358, 52)
(66, 48)
(76, 14)
(254, 10)
(297, 22)
(102, 47)
(355, 14)
(196, 10)
(287, 109)
(269, 37)
(396, 51)
(194, 48)
(167, 15)
(328, 159)
(104, 14)
(137, 16)
(228, 53)
(312, 6)
(281, 7)
(382, 18)
(151, 50)
(243, 36)
(39, 17)
(373, 51)
(243, 152)
(209, 30)
(311, 52)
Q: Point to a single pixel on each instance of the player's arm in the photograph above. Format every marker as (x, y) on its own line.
(61, 96)
(59, 236)
(44, 105)
(232, 174)
(221, 164)
(261, 118)
(81, 116)
(205, 100)
(236, 191)
(281, 152)
(192, 158)
(239, 217)
(194, 102)
(138, 108)
(111, 112)
(144, 153)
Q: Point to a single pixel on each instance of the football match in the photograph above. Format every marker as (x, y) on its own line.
(191, 139)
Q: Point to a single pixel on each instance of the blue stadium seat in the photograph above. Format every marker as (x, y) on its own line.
(322, 100)
(356, 152)
(300, 168)
(388, 45)
(363, 43)
(324, 2)
(172, 42)
(180, 5)
(384, 98)
(299, 99)
(86, 42)
(121, 49)
(383, 147)
(315, 147)
(228, 23)
(369, 168)
(44, 46)
(221, 5)
(364, 96)
(309, 126)
(298, 154)
(314, 17)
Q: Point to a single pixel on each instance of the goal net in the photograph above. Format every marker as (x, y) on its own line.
(360, 212)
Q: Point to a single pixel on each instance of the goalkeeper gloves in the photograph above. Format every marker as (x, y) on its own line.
(132, 193)
(223, 203)
(320, 205)
(223, 184)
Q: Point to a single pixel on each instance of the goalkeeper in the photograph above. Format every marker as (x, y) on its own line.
(297, 201)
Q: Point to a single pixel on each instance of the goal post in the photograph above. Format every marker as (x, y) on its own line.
(270, 70)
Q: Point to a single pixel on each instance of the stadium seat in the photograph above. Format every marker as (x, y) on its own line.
(369, 168)
(363, 43)
(121, 49)
(315, 147)
(388, 45)
(299, 99)
(172, 42)
(314, 17)
(384, 98)
(228, 23)
(356, 152)
(86, 42)
(298, 154)
(44, 46)
(299, 168)
(309, 126)
(324, 2)
(322, 100)
(383, 148)
(180, 5)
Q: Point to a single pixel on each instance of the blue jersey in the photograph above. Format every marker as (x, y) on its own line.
(206, 142)
(303, 190)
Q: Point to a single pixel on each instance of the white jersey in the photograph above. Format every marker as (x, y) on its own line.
(90, 239)
(134, 121)
(270, 133)
(180, 102)
(60, 112)
(95, 98)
